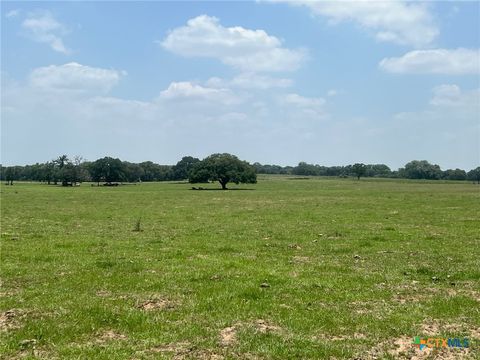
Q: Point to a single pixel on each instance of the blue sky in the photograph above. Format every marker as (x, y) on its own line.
(328, 82)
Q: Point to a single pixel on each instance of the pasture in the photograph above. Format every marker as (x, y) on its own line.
(284, 269)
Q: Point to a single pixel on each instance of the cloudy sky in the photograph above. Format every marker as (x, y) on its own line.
(329, 82)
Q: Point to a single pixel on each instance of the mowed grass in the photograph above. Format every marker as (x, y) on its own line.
(284, 269)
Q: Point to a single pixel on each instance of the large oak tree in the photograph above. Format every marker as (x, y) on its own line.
(223, 168)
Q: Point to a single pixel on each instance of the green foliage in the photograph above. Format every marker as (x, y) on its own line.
(107, 169)
(155, 172)
(359, 170)
(370, 170)
(456, 174)
(223, 168)
(67, 171)
(474, 175)
(272, 169)
(182, 169)
(417, 169)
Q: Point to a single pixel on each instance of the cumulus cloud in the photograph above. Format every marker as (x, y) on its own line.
(436, 61)
(313, 106)
(186, 90)
(304, 101)
(244, 49)
(71, 101)
(401, 22)
(250, 81)
(42, 27)
(453, 95)
(75, 77)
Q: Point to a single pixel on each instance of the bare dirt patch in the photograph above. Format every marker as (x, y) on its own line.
(300, 260)
(264, 327)
(185, 350)
(9, 293)
(402, 348)
(475, 333)
(156, 304)
(103, 293)
(436, 329)
(409, 298)
(110, 335)
(228, 336)
(10, 319)
(29, 350)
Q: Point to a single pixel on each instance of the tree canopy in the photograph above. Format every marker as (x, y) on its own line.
(223, 168)
(474, 175)
(359, 170)
(69, 172)
(422, 169)
(182, 169)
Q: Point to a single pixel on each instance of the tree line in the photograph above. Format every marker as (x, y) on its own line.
(111, 171)
(416, 169)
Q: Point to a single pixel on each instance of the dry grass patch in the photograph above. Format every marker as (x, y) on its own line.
(156, 303)
(110, 335)
(264, 327)
(228, 336)
(300, 260)
(10, 319)
(185, 350)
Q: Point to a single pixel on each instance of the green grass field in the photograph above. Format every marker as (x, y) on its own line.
(286, 269)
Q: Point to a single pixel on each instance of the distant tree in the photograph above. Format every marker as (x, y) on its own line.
(107, 169)
(68, 171)
(335, 171)
(133, 172)
(474, 175)
(456, 174)
(155, 172)
(271, 169)
(223, 168)
(62, 161)
(378, 170)
(359, 170)
(10, 174)
(422, 170)
(49, 172)
(305, 169)
(182, 169)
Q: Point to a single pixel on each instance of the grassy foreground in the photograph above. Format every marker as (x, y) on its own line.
(288, 269)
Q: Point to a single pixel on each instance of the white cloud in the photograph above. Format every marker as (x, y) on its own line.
(401, 22)
(42, 27)
(75, 77)
(307, 105)
(186, 118)
(437, 61)
(244, 49)
(445, 132)
(453, 95)
(186, 90)
(332, 92)
(302, 101)
(12, 13)
(250, 81)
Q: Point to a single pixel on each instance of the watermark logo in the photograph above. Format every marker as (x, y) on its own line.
(421, 343)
